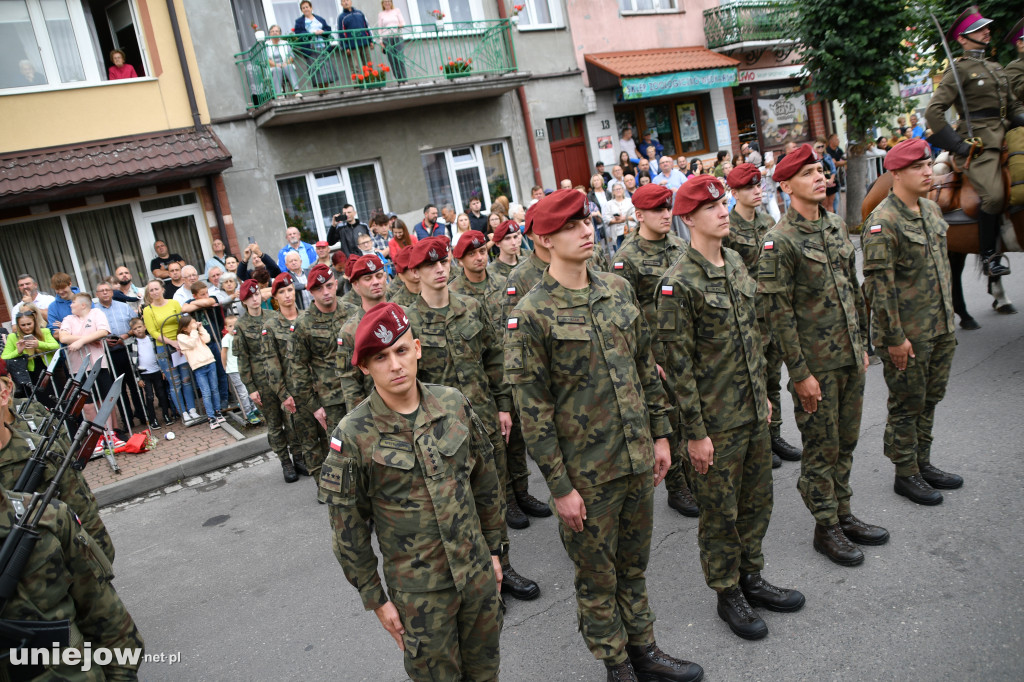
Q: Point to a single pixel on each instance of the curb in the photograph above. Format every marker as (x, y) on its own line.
(179, 471)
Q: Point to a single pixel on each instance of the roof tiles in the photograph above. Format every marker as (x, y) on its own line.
(667, 60)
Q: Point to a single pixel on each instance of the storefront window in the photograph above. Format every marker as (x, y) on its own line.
(679, 124)
(782, 113)
(691, 132)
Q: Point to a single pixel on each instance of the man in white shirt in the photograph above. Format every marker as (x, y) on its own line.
(669, 176)
(617, 177)
(30, 294)
(627, 144)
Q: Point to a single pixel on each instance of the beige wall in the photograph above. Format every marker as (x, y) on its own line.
(58, 117)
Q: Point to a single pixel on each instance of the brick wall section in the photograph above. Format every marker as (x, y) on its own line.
(816, 115)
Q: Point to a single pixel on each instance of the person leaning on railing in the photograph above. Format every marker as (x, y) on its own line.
(31, 340)
(390, 23)
(312, 29)
(161, 318)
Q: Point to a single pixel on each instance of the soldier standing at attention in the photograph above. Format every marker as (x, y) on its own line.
(1015, 69)
(641, 261)
(509, 240)
(477, 282)
(259, 368)
(747, 230)
(815, 309)
(907, 284)
(406, 287)
(714, 357)
(526, 274)
(369, 282)
(992, 110)
(315, 345)
(461, 349)
(578, 356)
(416, 461)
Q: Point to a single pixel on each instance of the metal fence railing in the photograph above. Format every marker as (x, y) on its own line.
(748, 21)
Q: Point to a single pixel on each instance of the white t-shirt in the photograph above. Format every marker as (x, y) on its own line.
(227, 343)
(42, 301)
(629, 146)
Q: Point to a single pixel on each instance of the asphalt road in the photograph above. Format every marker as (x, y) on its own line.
(236, 575)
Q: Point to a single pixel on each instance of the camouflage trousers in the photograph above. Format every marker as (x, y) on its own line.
(277, 431)
(452, 635)
(735, 498)
(773, 381)
(309, 442)
(675, 479)
(913, 395)
(515, 455)
(829, 439)
(610, 556)
(501, 464)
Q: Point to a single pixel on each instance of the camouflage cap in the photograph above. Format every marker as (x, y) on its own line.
(469, 241)
(697, 191)
(505, 229)
(247, 289)
(429, 250)
(905, 153)
(365, 265)
(651, 196)
(793, 162)
(318, 275)
(743, 175)
(283, 280)
(382, 325)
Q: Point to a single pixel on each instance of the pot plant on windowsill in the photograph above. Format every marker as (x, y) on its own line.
(458, 67)
(514, 18)
(373, 76)
(438, 19)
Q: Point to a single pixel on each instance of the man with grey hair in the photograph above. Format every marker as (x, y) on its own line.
(617, 178)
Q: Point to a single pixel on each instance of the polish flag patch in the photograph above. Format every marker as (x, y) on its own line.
(768, 246)
(513, 323)
(341, 342)
(335, 445)
(263, 333)
(511, 291)
(291, 328)
(619, 266)
(667, 290)
(875, 229)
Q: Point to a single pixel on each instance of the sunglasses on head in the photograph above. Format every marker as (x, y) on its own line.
(24, 313)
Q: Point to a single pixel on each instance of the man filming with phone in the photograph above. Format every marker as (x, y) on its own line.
(345, 230)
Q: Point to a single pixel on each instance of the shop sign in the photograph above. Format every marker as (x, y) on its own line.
(674, 83)
(776, 73)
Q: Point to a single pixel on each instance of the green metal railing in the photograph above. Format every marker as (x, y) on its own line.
(303, 64)
(747, 21)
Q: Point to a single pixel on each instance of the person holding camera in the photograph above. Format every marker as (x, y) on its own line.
(345, 230)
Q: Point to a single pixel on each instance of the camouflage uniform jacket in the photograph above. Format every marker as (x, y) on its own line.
(403, 296)
(315, 344)
(713, 355)
(585, 383)
(462, 350)
(73, 491)
(485, 292)
(1015, 72)
(354, 384)
(986, 89)
(815, 308)
(907, 273)
(431, 490)
(522, 278)
(351, 299)
(68, 577)
(499, 270)
(34, 419)
(259, 351)
(394, 287)
(643, 263)
(745, 237)
(599, 259)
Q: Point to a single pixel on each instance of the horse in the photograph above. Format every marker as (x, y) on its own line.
(962, 237)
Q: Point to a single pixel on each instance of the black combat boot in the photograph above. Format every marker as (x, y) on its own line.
(760, 592)
(916, 489)
(682, 501)
(516, 585)
(623, 672)
(776, 461)
(741, 619)
(300, 468)
(514, 516)
(651, 663)
(937, 478)
(784, 450)
(833, 543)
(530, 505)
(988, 231)
(862, 533)
(289, 471)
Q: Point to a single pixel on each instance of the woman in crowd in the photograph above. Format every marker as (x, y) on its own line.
(161, 318)
(230, 264)
(315, 30)
(293, 263)
(391, 22)
(493, 220)
(401, 238)
(619, 215)
(262, 276)
(696, 168)
(281, 62)
(461, 226)
(32, 340)
(253, 257)
(628, 167)
(120, 69)
(229, 286)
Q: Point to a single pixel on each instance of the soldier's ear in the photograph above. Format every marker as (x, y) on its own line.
(419, 348)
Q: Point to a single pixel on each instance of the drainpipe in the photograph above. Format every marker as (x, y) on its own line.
(185, 72)
(527, 121)
(218, 211)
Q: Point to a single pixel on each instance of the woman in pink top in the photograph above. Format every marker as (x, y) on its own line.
(82, 333)
(120, 70)
(391, 22)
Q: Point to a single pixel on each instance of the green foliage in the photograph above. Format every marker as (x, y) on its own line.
(301, 217)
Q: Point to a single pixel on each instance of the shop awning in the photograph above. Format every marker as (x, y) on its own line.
(668, 71)
(46, 175)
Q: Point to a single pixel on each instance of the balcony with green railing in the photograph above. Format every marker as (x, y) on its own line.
(748, 23)
(299, 77)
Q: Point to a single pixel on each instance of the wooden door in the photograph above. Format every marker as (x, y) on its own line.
(569, 150)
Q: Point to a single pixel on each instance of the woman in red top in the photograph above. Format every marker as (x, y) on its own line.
(402, 238)
(120, 69)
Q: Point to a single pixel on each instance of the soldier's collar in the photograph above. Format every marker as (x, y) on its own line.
(805, 225)
(652, 247)
(710, 269)
(384, 420)
(572, 298)
(975, 54)
(905, 210)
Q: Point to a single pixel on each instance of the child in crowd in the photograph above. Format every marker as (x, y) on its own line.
(231, 367)
(192, 340)
(143, 354)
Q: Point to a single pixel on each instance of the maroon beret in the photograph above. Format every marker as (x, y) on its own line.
(504, 230)
(248, 286)
(380, 328)
(469, 241)
(695, 192)
(349, 262)
(652, 196)
(365, 265)
(743, 175)
(283, 280)
(557, 209)
(318, 275)
(429, 250)
(793, 162)
(531, 213)
(402, 258)
(338, 257)
(906, 153)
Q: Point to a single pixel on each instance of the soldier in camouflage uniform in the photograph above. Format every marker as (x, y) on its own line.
(406, 287)
(509, 240)
(474, 279)
(316, 342)
(259, 367)
(807, 277)
(1015, 69)
(578, 356)
(747, 230)
(350, 298)
(368, 281)
(67, 578)
(461, 349)
(641, 261)
(907, 284)
(416, 461)
(714, 358)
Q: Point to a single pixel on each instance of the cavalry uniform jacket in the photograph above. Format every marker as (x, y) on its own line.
(713, 356)
(259, 348)
(429, 485)
(315, 346)
(585, 382)
(814, 305)
(906, 272)
(1015, 72)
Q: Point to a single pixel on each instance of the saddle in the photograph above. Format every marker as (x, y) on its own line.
(953, 191)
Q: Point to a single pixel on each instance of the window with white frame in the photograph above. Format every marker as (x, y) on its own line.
(456, 175)
(647, 5)
(310, 200)
(539, 14)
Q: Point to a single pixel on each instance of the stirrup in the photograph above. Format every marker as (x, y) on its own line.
(996, 260)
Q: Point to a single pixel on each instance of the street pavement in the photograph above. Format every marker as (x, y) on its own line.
(235, 572)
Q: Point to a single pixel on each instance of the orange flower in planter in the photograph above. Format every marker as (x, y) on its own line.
(354, 77)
